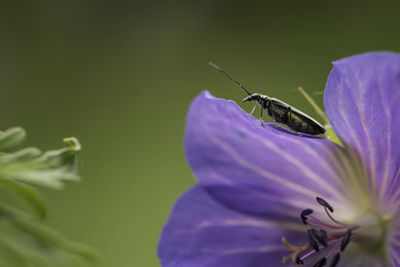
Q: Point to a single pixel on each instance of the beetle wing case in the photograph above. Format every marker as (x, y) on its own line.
(295, 119)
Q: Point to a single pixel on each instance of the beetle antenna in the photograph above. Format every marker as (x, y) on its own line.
(230, 77)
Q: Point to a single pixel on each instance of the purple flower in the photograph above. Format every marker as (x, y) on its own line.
(267, 196)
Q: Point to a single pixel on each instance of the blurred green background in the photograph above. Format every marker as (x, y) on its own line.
(120, 75)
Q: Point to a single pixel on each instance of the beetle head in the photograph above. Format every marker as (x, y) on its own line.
(252, 97)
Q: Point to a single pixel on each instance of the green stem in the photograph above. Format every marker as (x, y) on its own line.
(330, 134)
(314, 105)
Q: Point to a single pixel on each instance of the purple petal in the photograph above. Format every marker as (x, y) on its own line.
(201, 232)
(257, 169)
(362, 101)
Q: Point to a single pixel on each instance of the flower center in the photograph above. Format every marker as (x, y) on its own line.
(330, 236)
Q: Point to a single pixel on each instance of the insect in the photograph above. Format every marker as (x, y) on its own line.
(279, 111)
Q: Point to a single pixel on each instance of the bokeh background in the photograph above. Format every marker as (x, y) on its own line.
(120, 76)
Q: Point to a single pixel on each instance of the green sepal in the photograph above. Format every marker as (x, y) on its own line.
(332, 136)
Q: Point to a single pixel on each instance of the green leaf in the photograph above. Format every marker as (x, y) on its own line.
(50, 169)
(48, 238)
(28, 194)
(27, 242)
(22, 154)
(11, 138)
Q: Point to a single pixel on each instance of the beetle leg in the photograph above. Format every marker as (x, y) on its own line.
(272, 115)
(262, 124)
(254, 108)
(274, 121)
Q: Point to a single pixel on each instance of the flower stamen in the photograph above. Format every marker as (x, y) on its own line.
(320, 263)
(345, 240)
(320, 239)
(321, 236)
(333, 219)
(304, 215)
(297, 250)
(324, 203)
(335, 260)
(320, 224)
(312, 241)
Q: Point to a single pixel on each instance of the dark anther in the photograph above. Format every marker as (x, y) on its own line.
(320, 263)
(323, 234)
(304, 215)
(313, 243)
(345, 240)
(335, 260)
(299, 261)
(320, 236)
(324, 203)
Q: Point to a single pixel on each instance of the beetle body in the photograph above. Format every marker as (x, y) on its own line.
(283, 113)
(280, 112)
